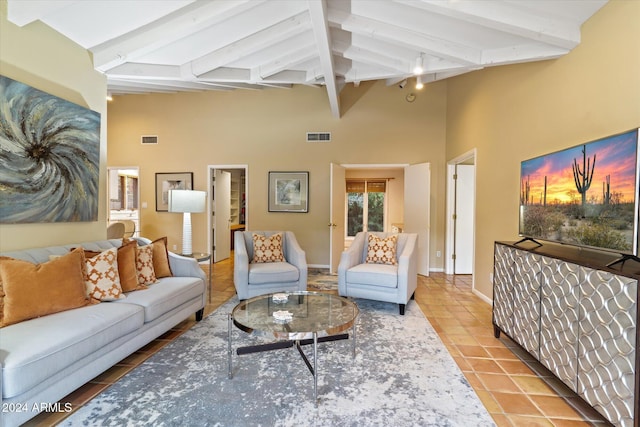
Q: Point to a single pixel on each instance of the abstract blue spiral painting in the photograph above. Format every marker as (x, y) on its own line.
(49, 157)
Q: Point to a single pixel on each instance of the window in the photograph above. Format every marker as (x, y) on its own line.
(365, 205)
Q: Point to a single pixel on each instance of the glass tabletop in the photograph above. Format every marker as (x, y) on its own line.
(309, 312)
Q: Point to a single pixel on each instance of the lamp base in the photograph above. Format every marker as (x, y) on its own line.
(186, 234)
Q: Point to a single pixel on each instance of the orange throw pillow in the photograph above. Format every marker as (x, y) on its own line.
(34, 290)
(161, 265)
(127, 267)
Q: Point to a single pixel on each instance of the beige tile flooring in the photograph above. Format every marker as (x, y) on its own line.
(515, 389)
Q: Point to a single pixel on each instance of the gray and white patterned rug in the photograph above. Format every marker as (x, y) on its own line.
(402, 375)
(321, 280)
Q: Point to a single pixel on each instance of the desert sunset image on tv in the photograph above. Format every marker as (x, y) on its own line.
(584, 195)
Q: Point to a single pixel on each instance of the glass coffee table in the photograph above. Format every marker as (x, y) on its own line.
(299, 318)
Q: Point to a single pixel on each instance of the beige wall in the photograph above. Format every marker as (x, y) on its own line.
(266, 130)
(518, 112)
(40, 57)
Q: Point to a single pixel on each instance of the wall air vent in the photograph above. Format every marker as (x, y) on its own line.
(318, 136)
(149, 139)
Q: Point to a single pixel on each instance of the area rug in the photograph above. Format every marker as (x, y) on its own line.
(320, 280)
(402, 375)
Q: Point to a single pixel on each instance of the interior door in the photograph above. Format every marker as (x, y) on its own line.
(464, 219)
(417, 186)
(336, 215)
(222, 215)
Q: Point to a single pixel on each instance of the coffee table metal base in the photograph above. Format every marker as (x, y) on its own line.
(277, 345)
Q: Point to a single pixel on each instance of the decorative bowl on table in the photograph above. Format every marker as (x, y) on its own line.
(280, 298)
(282, 316)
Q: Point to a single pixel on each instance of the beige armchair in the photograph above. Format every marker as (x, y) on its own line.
(380, 278)
(115, 230)
(258, 267)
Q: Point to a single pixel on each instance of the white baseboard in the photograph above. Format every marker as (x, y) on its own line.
(482, 296)
(324, 266)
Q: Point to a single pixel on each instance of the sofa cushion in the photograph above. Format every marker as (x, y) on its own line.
(384, 275)
(267, 248)
(27, 287)
(59, 340)
(166, 295)
(272, 272)
(382, 250)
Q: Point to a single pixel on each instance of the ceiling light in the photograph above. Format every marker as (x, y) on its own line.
(419, 84)
(417, 70)
(109, 97)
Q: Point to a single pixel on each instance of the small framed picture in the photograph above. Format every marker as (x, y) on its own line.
(166, 181)
(288, 191)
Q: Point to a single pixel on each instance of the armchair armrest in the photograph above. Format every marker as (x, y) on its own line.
(408, 267)
(351, 257)
(296, 256)
(240, 260)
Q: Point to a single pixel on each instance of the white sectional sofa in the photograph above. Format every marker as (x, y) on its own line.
(45, 358)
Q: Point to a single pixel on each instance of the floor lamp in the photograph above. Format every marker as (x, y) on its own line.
(187, 202)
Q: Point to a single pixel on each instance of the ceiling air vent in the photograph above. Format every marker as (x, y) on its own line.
(318, 136)
(149, 139)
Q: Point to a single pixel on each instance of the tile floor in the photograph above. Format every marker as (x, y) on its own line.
(514, 388)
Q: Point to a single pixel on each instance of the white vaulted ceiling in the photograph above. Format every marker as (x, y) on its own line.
(192, 45)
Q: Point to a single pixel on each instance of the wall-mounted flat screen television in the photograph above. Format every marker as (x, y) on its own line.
(585, 195)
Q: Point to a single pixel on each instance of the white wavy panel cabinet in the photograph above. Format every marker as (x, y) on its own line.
(580, 321)
(559, 318)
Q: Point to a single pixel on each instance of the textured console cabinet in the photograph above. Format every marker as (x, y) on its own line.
(580, 322)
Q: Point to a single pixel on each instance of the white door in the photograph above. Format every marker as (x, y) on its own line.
(417, 186)
(222, 215)
(464, 219)
(336, 215)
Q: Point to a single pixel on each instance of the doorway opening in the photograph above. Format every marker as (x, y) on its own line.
(227, 207)
(123, 190)
(461, 207)
(400, 213)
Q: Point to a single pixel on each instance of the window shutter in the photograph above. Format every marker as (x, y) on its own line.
(355, 186)
(376, 186)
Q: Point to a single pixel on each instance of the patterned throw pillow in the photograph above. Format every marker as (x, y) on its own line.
(267, 249)
(382, 251)
(103, 280)
(144, 263)
(127, 269)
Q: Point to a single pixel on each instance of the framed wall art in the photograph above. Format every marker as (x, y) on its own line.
(288, 191)
(166, 181)
(50, 157)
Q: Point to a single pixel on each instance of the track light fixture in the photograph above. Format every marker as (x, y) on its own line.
(419, 83)
(417, 70)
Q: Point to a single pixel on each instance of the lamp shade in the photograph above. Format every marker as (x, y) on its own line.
(187, 201)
